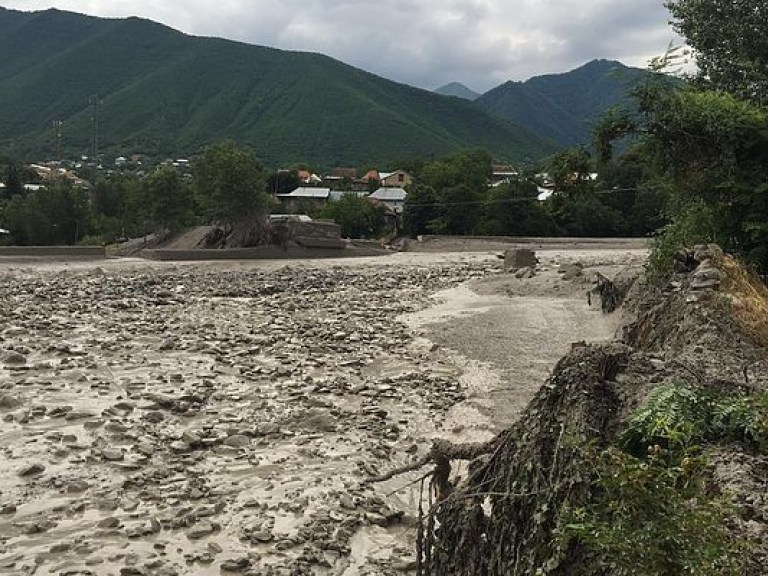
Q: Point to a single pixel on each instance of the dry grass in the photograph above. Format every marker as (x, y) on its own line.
(749, 298)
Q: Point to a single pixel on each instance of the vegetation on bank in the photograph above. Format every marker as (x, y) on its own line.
(653, 507)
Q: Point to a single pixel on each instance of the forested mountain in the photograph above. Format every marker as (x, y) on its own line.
(161, 92)
(563, 107)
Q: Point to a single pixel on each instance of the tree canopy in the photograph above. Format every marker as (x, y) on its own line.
(230, 184)
(730, 40)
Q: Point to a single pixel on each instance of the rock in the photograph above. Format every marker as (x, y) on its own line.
(699, 285)
(112, 454)
(77, 486)
(235, 564)
(526, 272)
(133, 571)
(201, 530)
(7, 510)
(262, 536)
(12, 358)
(109, 523)
(154, 416)
(32, 470)
(571, 271)
(180, 447)
(8, 402)
(704, 252)
(266, 429)
(520, 258)
(237, 441)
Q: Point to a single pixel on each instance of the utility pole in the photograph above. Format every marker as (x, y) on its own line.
(57, 134)
(95, 102)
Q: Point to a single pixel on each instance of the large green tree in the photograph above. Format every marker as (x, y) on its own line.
(57, 214)
(730, 42)
(419, 209)
(13, 183)
(358, 217)
(230, 185)
(168, 199)
(514, 209)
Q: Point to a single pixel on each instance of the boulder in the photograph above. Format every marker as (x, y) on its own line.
(519, 258)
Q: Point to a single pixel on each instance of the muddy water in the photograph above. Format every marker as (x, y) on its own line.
(194, 419)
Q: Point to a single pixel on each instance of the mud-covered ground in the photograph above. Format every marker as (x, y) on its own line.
(162, 419)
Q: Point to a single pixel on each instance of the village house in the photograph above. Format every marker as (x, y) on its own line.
(303, 196)
(502, 174)
(396, 179)
(392, 198)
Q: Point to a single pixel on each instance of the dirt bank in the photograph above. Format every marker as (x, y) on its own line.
(188, 419)
(645, 455)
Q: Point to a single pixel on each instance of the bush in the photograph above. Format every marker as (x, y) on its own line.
(645, 516)
(678, 416)
(692, 224)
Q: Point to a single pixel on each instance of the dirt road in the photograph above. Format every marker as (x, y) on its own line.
(191, 419)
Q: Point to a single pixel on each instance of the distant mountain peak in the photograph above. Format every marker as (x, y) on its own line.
(457, 89)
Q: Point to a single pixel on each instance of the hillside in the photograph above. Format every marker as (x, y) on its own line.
(562, 107)
(457, 89)
(163, 92)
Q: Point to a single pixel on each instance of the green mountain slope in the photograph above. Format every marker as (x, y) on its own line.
(163, 93)
(563, 107)
(457, 89)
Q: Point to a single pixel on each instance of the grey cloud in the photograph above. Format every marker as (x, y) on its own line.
(481, 43)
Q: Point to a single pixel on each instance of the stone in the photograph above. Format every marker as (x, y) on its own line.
(524, 273)
(34, 469)
(12, 358)
(519, 258)
(112, 454)
(201, 530)
(77, 486)
(109, 523)
(237, 441)
(8, 402)
(570, 271)
(235, 564)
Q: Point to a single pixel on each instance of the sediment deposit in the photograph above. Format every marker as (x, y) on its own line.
(162, 420)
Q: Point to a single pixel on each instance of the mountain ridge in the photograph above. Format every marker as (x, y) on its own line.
(165, 92)
(562, 107)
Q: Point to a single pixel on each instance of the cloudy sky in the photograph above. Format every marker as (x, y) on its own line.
(426, 43)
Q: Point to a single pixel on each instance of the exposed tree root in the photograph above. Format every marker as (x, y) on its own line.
(441, 454)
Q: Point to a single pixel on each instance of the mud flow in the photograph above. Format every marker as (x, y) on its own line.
(160, 419)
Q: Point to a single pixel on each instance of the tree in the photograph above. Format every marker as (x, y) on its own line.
(471, 168)
(570, 171)
(13, 184)
(730, 40)
(713, 150)
(458, 212)
(613, 125)
(59, 214)
(419, 209)
(283, 182)
(514, 209)
(168, 199)
(358, 217)
(230, 184)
